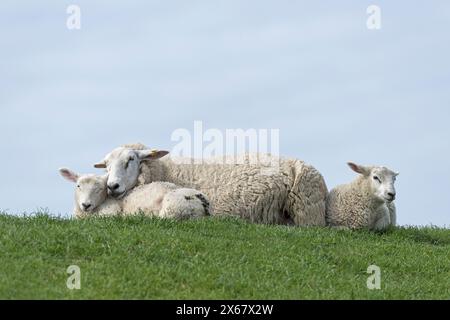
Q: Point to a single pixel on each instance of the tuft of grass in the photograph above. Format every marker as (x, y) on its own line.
(216, 258)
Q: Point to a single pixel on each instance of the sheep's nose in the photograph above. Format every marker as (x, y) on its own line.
(113, 186)
(391, 195)
(86, 206)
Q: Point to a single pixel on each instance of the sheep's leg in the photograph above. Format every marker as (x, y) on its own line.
(384, 221)
(392, 213)
(306, 202)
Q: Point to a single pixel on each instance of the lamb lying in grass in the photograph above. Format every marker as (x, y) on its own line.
(367, 202)
(160, 199)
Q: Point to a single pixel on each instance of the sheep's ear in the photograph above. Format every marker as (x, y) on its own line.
(100, 165)
(359, 169)
(151, 154)
(68, 174)
(397, 173)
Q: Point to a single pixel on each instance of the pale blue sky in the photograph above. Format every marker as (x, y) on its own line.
(138, 70)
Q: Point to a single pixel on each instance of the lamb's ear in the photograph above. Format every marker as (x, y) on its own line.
(68, 175)
(151, 154)
(359, 169)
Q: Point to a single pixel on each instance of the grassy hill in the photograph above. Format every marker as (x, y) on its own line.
(216, 258)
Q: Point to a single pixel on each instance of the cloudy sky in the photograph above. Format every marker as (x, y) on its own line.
(138, 70)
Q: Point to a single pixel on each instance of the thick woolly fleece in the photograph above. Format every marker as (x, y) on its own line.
(158, 199)
(292, 193)
(354, 206)
(166, 200)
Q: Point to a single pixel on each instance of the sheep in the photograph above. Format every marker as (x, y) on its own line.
(367, 202)
(167, 200)
(91, 194)
(291, 192)
(160, 199)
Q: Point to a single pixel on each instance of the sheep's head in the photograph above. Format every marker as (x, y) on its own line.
(90, 190)
(123, 166)
(380, 179)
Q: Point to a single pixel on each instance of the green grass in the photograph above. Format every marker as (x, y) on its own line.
(216, 258)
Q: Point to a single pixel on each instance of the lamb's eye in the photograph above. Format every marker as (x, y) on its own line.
(78, 186)
(377, 179)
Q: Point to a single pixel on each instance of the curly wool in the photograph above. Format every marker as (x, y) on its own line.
(354, 206)
(293, 193)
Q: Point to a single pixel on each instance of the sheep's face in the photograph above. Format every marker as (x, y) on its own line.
(91, 190)
(381, 180)
(123, 166)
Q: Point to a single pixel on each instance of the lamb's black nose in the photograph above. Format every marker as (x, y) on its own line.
(86, 206)
(113, 186)
(391, 195)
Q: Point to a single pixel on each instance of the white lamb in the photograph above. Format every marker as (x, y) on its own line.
(291, 192)
(161, 199)
(367, 202)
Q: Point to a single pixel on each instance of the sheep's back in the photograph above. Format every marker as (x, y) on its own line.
(146, 198)
(251, 191)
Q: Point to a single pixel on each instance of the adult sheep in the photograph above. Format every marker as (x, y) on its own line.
(367, 202)
(158, 199)
(291, 192)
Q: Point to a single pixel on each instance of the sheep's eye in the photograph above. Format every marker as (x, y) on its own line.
(377, 179)
(128, 162)
(78, 186)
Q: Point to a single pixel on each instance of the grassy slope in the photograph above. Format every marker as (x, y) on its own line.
(216, 258)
